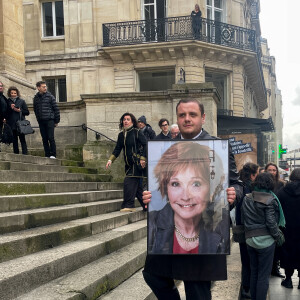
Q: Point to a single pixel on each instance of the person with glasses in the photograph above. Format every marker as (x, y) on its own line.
(165, 132)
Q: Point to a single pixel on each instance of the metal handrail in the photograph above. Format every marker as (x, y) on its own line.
(98, 134)
(178, 28)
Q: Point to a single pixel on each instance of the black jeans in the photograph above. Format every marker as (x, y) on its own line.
(16, 144)
(261, 265)
(47, 133)
(132, 188)
(165, 288)
(246, 271)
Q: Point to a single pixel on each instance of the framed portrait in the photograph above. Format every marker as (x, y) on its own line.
(188, 212)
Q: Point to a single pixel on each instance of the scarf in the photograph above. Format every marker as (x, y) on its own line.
(281, 222)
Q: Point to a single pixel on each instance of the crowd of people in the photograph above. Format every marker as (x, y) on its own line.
(265, 206)
(266, 228)
(14, 109)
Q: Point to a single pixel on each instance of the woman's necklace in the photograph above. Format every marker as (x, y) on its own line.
(192, 239)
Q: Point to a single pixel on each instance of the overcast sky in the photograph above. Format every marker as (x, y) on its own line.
(280, 25)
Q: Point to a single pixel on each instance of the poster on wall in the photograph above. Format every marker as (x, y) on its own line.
(244, 148)
(188, 212)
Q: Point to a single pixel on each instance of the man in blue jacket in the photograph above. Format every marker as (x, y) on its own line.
(48, 117)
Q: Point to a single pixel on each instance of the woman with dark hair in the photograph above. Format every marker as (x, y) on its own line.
(17, 110)
(262, 215)
(247, 174)
(273, 169)
(289, 198)
(133, 143)
(192, 221)
(279, 184)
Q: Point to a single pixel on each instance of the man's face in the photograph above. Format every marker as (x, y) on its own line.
(42, 88)
(189, 119)
(164, 127)
(141, 125)
(174, 132)
(1, 87)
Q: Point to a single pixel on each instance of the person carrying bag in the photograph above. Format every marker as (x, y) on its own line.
(16, 112)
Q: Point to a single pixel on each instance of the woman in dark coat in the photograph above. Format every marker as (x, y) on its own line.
(133, 143)
(289, 198)
(17, 110)
(196, 22)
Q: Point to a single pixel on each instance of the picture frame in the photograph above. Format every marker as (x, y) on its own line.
(188, 212)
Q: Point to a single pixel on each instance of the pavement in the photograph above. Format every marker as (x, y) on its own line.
(278, 292)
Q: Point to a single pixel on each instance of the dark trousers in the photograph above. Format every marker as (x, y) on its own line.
(246, 271)
(132, 188)
(47, 133)
(16, 144)
(289, 272)
(165, 288)
(261, 266)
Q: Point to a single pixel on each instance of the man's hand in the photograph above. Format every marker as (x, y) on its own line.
(146, 197)
(231, 195)
(55, 125)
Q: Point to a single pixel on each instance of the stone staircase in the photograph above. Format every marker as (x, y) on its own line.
(63, 236)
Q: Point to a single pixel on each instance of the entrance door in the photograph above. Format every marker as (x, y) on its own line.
(154, 13)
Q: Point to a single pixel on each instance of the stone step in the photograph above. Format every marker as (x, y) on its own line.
(35, 176)
(104, 260)
(134, 288)
(21, 202)
(13, 245)
(23, 188)
(29, 159)
(21, 166)
(31, 218)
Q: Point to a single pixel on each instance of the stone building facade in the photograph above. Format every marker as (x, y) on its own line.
(118, 55)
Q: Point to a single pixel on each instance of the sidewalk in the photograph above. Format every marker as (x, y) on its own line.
(278, 292)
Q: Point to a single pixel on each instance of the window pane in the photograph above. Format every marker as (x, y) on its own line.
(149, 12)
(156, 81)
(218, 3)
(59, 13)
(51, 86)
(47, 19)
(209, 2)
(62, 90)
(218, 16)
(148, 1)
(209, 14)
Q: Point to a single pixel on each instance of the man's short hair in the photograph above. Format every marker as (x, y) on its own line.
(188, 100)
(295, 175)
(39, 83)
(161, 121)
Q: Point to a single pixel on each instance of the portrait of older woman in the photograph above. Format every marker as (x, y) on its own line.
(191, 183)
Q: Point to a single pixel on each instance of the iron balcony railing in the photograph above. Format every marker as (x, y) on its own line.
(176, 29)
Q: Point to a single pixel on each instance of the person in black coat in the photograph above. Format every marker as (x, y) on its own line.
(165, 132)
(196, 22)
(146, 129)
(3, 107)
(247, 175)
(17, 110)
(272, 168)
(289, 198)
(133, 143)
(48, 116)
(197, 271)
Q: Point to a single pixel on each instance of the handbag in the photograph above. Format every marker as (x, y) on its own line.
(238, 233)
(6, 134)
(24, 126)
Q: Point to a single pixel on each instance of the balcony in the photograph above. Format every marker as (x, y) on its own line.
(178, 29)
